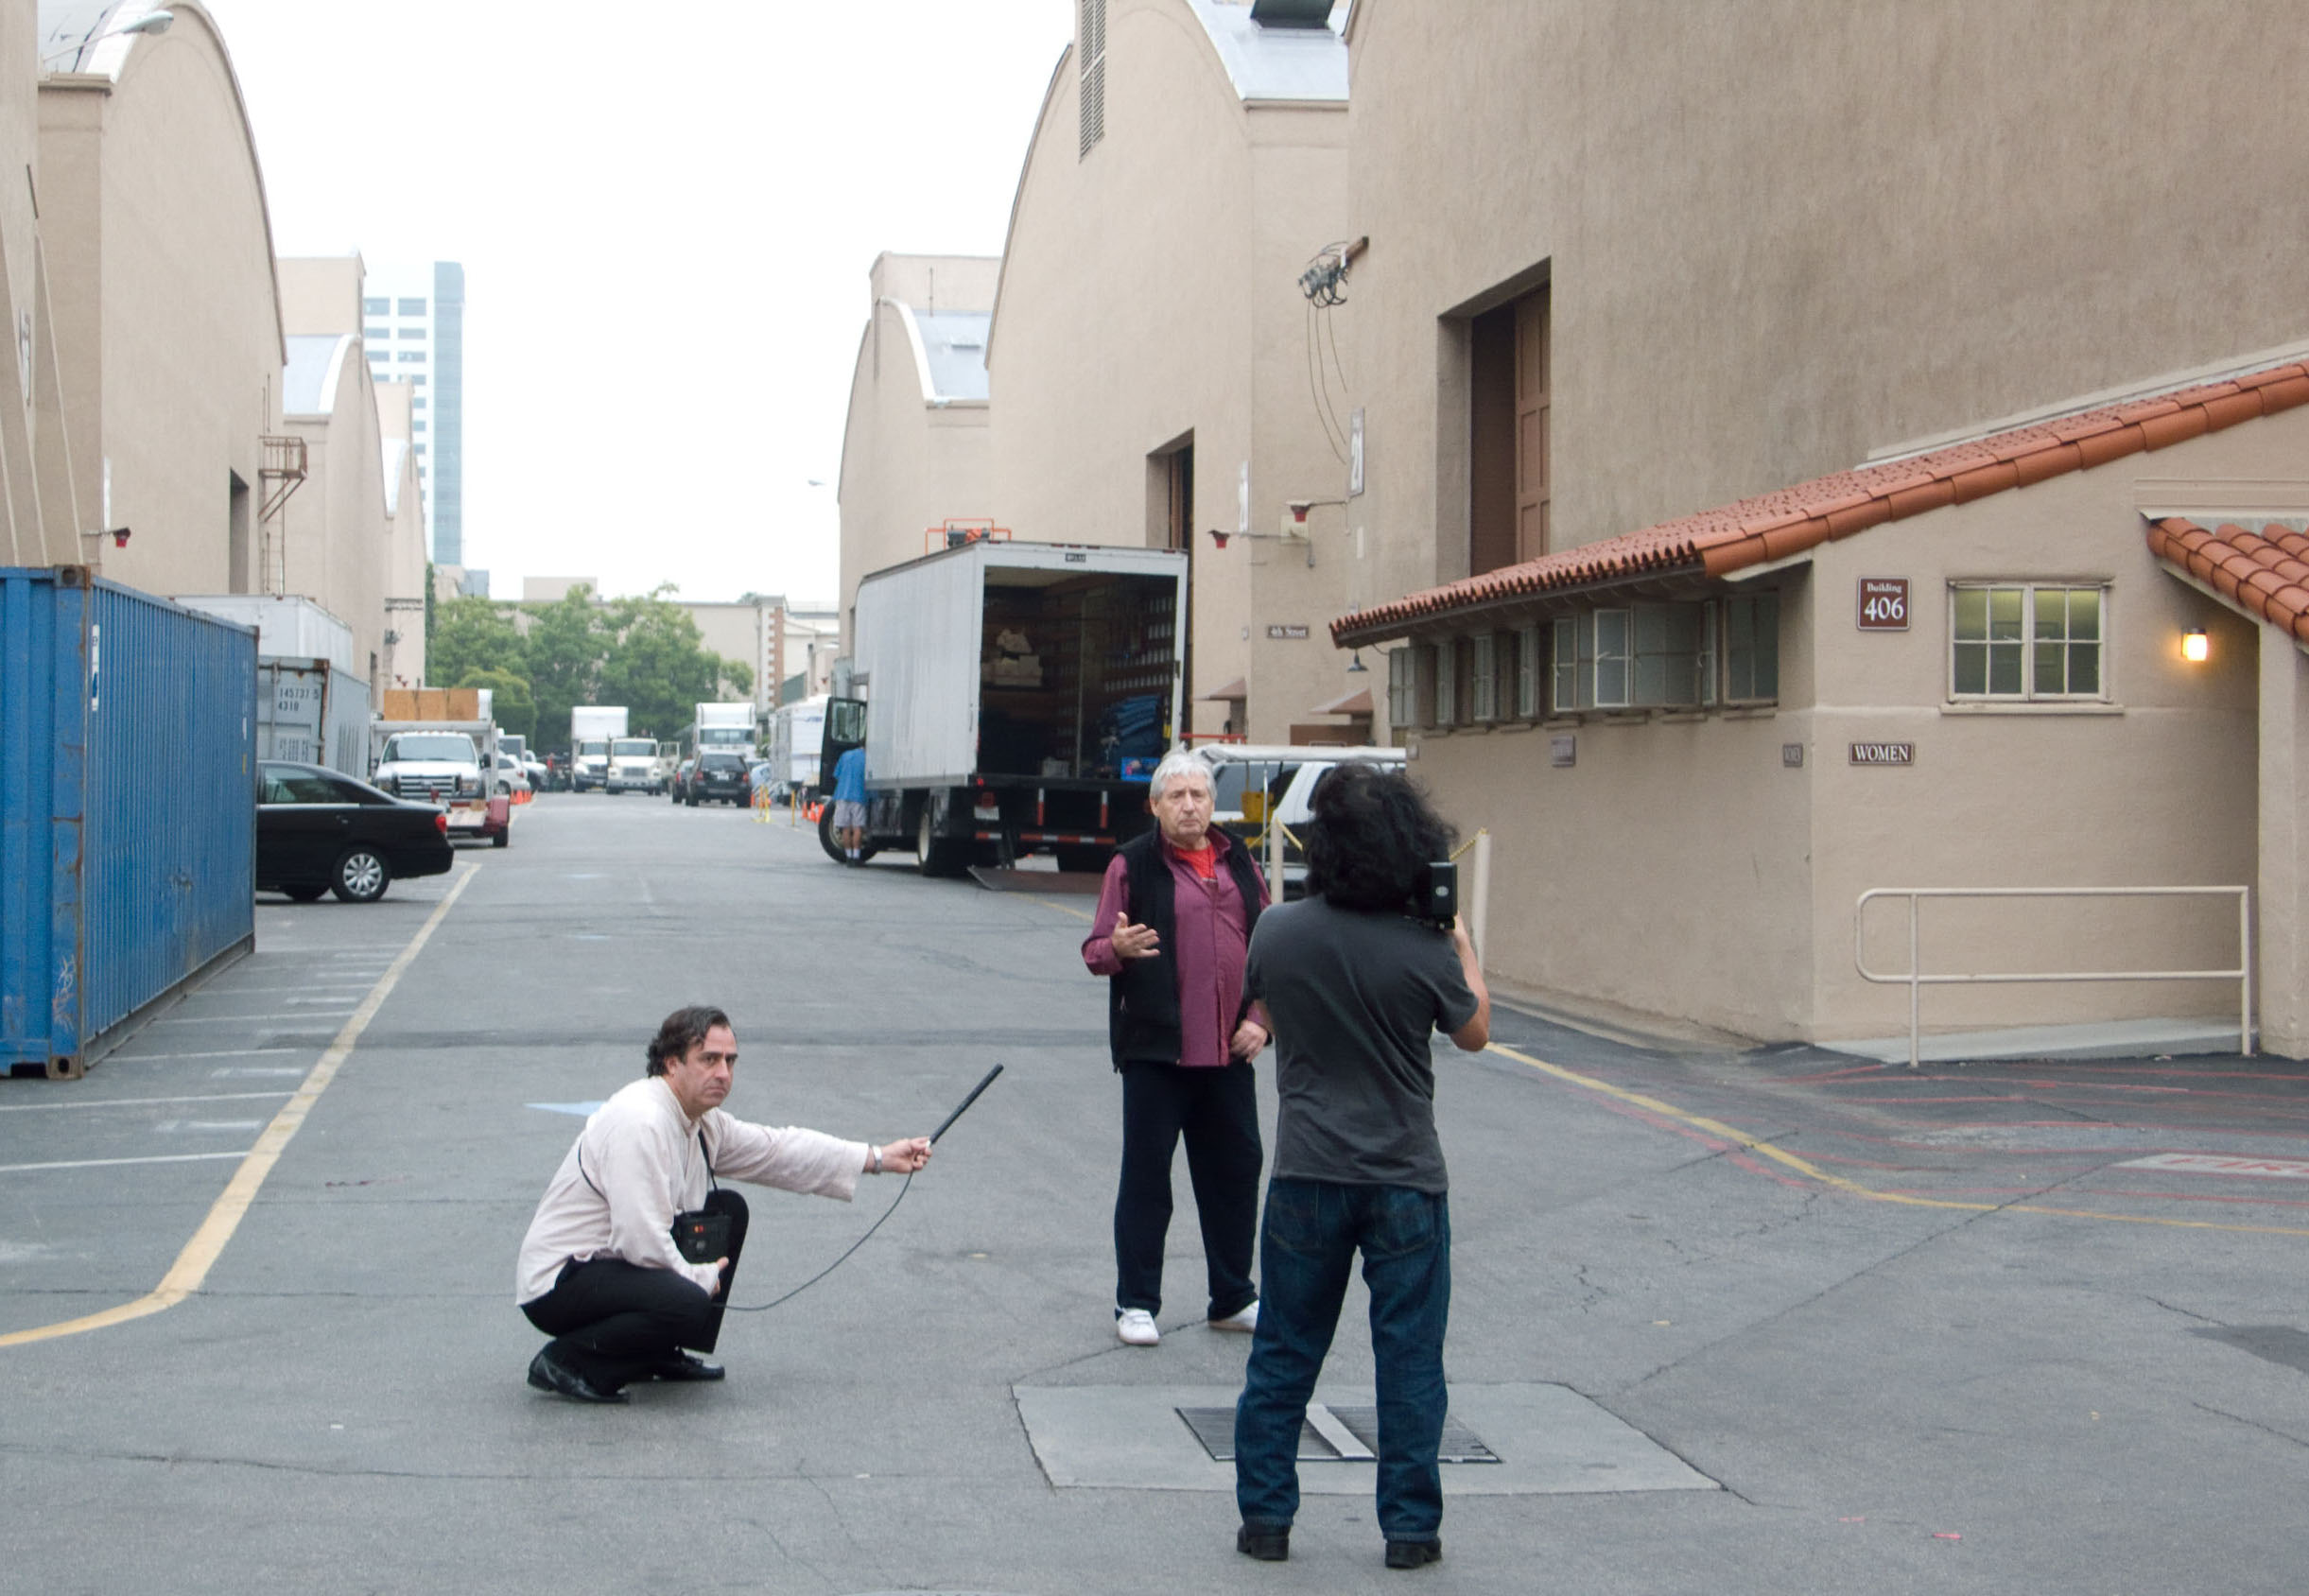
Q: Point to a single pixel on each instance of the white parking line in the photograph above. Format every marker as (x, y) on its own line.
(107, 1162)
(137, 1102)
(229, 1072)
(220, 1052)
(223, 1020)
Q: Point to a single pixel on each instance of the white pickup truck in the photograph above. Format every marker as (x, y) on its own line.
(442, 763)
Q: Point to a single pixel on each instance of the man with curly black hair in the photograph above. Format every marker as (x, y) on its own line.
(600, 1271)
(1356, 983)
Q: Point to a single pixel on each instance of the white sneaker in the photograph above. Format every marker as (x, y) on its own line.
(1242, 1322)
(1135, 1327)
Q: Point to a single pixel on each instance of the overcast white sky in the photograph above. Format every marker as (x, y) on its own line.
(666, 216)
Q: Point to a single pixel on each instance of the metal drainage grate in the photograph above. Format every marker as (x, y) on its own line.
(1333, 1435)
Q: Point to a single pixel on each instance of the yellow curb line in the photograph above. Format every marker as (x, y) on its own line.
(1812, 1171)
(191, 1268)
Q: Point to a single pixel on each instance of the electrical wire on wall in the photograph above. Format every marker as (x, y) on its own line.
(1324, 283)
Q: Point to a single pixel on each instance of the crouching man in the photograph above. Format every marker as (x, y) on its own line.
(600, 1269)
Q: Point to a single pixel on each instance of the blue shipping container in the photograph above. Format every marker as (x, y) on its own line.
(128, 808)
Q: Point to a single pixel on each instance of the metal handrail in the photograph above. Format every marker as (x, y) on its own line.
(1915, 979)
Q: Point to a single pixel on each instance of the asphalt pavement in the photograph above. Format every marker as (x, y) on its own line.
(1835, 1327)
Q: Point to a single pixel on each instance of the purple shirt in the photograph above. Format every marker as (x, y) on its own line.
(1208, 939)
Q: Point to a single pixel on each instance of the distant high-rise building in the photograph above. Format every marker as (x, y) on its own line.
(414, 324)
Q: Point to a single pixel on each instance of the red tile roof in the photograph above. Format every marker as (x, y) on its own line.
(2264, 573)
(1718, 542)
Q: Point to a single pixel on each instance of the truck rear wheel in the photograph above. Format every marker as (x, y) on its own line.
(933, 855)
(833, 849)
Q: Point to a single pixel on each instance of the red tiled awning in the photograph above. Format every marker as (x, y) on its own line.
(1356, 703)
(2263, 575)
(1236, 689)
(1716, 543)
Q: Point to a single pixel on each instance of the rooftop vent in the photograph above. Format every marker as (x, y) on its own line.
(1292, 13)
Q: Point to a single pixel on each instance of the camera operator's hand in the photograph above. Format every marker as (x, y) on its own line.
(1250, 1036)
(1134, 941)
(722, 1281)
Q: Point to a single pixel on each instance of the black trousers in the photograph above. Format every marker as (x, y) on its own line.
(1217, 1111)
(614, 1322)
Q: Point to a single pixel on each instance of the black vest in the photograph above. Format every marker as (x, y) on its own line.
(1142, 1013)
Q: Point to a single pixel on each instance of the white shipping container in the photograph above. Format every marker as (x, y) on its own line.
(286, 627)
(312, 713)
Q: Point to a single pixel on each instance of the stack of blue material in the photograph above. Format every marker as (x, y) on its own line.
(1132, 728)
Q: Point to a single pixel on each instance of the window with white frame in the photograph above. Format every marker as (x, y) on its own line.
(1527, 674)
(1689, 655)
(1402, 688)
(2026, 641)
(1751, 648)
(1484, 679)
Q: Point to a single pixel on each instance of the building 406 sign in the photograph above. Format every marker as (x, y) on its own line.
(1883, 604)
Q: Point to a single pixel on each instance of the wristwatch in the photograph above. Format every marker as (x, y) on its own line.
(876, 1154)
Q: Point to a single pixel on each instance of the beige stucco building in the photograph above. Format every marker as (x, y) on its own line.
(915, 451)
(1156, 372)
(342, 538)
(159, 276)
(1603, 295)
(44, 522)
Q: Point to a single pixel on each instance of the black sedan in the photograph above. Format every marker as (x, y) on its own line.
(718, 777)
(320, 830)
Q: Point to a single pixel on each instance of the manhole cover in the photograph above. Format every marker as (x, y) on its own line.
(1333, 1435)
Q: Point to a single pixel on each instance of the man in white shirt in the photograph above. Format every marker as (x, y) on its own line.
(600, 1272)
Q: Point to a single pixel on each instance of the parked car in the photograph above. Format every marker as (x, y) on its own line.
(318, 831)
(717, 776)
(677, 788)
(509, 778)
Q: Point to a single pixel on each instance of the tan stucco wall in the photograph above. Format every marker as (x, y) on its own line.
(1680, 868)
(38, 516)
(909, 463)
(339, 539)
(160, 264)
(320, 293)
(404, 660)
(1783, 234)
(1148, 292)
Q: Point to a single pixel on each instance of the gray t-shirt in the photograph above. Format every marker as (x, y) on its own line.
(1354, 999)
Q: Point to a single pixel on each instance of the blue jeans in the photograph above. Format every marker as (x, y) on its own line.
(1306, 1245)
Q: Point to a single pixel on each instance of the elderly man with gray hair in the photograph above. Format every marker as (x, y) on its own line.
(1170, 935)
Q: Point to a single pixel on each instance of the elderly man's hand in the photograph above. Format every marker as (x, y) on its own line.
(1249, 1037)
(1134, 941)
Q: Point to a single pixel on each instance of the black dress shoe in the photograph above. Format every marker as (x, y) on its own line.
(547, 1374)
(686, 1366)
(1414, 1554)
(1268, 1546)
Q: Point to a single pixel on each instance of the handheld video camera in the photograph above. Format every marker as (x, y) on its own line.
(1438, 904)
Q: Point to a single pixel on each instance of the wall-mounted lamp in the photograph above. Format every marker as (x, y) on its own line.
(119, 536)
(144, 21)
(2194, 646)
(1218, 537)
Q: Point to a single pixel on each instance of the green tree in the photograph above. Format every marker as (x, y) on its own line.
(470, 634)
(513, 704)
(566, 643)
(660, 668)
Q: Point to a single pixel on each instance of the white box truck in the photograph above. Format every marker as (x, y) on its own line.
(592, 728)
(795, 730)
(1016, 697)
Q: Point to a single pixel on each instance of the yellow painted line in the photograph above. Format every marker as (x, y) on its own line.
(1811, 1172)
(191, 1268)
(1063, 908)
